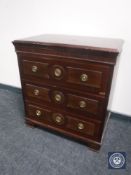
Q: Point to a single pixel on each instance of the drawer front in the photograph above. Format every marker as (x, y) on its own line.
(36, 69)
(64, 99)
(63, 121)
(37, 92)
(78, 76)
(93, 78)
(84, 77)
(83, 104)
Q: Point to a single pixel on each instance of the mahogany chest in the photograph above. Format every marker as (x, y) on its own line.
(66, 82)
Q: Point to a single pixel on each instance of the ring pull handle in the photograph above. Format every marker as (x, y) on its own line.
(82, 104)
(58, 118)
(58, 97)
(80, 126)
(84, 77)
(38, 113)
(57, 72)
(36, 92)
(34, 69)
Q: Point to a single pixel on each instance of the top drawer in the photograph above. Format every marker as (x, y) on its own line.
(93, 78)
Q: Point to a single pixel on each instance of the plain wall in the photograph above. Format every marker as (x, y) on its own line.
(103, 18)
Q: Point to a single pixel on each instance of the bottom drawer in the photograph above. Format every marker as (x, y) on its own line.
(63, 120)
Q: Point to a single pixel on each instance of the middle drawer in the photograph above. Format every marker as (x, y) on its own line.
(65, 99)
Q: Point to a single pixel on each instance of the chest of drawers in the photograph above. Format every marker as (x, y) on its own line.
(66, 83)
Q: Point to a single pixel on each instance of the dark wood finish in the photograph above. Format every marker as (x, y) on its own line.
(98, 75)
(68, 122)
(69, 100)
(66, 83)
(41, 70)
(82, 104)
(37, 92)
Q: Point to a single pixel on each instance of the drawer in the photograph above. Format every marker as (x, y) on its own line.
(83, 104)
(65, 99)
(63, 120)
(79, 76)
(85, 77)
(37, 92)
(92, 78)
(37, 69)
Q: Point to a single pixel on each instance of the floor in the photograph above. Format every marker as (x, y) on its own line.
(34, 151)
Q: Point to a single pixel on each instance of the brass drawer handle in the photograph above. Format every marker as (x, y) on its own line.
(36, 92)
(84, 77)
(38, 113)
(58, 97)
(82, 104)
(57, 72)
(34, 68)
(58, 119)
(80, 126)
